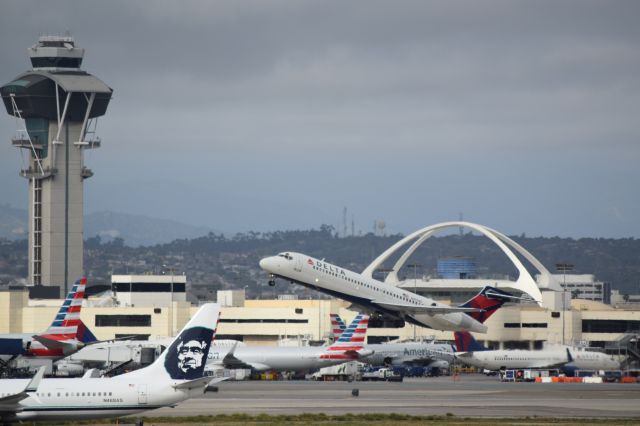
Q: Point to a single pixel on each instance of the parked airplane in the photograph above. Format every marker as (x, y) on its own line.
(66, 334)
(435, 355)
(174, 377)
(470, 352)
(372, 295)
(349, 347)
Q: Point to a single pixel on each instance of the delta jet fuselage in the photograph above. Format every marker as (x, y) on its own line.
(369, 294)
(561, 357)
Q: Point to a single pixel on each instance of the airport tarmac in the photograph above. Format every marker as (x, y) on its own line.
(472, 395)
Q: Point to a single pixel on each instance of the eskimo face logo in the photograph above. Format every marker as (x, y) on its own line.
(190, 355)
(187, 356)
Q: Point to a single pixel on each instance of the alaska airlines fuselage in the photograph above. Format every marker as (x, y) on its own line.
(86, 398)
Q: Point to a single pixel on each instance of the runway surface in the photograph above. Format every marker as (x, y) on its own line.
(473, 395)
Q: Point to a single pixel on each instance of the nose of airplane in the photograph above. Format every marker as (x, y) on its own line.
(267, 263)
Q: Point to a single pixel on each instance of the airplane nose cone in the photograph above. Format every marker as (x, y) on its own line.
(268, 264)
(263, 263)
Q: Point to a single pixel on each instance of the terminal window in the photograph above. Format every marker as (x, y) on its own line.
(263, 321)
(534, 325)
(610, 326)
(511, 325)
(123, 321)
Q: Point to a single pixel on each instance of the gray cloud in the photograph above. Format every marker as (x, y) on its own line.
(520, 114)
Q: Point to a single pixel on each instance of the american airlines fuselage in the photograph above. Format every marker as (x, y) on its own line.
(277, 358)
(410, 353)
(368, 293)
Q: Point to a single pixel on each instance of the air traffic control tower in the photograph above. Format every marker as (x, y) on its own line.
(56, 106)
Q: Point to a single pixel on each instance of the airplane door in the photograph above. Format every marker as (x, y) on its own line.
(143, 396)
(298, 264)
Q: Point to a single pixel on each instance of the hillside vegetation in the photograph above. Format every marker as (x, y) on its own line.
(217, 262)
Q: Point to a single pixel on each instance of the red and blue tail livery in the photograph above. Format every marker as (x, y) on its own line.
(489, 300)
(66, 334)
(350, 345)
(466, 343)
(337, 326)
(65, 324)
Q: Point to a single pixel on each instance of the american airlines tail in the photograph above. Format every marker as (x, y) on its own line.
(337, 326)
(67, 330)
(65, 324)
(184, 359)
(350, 345)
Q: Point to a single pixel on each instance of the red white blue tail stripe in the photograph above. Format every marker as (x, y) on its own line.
(351, 340)
(65, 324)
(337, 326)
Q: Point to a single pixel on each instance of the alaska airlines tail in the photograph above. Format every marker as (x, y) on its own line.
(337, 326)
(350, 345)
(466, 343)
(186, 356)
(490, 299)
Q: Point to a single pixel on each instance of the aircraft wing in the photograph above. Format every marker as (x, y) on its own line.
(11, 403)
(356, 354)
(431, 310)
(232, 362)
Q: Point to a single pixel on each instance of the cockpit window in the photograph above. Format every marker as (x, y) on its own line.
(286, 256)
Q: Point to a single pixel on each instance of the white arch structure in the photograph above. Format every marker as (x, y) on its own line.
(525, 281)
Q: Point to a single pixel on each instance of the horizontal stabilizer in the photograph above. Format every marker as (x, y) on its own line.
(54, 344)
(201, 382)
(430, 310)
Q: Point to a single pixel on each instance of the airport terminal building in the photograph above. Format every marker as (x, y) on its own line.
(151, 306)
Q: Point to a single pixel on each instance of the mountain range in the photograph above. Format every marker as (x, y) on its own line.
(135, 230)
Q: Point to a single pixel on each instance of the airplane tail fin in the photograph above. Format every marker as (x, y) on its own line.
(65, 325)
(186, 355)
(466, 343)
(84, 334)
(489, 299)
(337, 326)
(351, 342)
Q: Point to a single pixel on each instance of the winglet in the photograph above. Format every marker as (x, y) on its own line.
(569, 356)
(35, 381)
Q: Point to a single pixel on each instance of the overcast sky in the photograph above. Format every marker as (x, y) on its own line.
(265, 115)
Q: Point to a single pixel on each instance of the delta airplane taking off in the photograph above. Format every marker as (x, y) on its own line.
(349, 347)
(66, 334)
(472, 353)
(435, 355)
(175, 376)
(374, 295)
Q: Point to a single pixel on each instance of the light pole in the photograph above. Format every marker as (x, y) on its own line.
(564, 267)
(415, 290)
